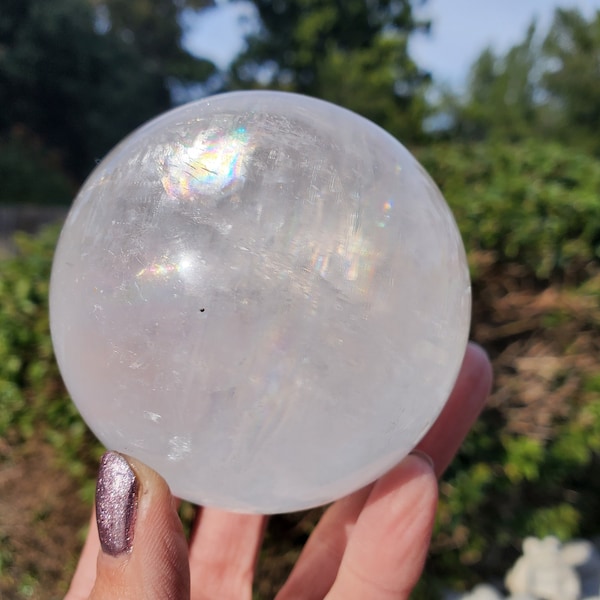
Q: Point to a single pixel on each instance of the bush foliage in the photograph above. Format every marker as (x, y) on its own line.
(33, 400)
(533, 203)
(529, 466)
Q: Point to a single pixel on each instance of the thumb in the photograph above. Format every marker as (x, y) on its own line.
(143, 548)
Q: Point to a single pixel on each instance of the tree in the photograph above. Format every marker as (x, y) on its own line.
(547, 88)
(572, 79)
(501, 94)
(354, 53)
(79, 87)
(153, 27)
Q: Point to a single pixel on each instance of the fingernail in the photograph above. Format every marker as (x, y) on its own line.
(116, 503)
(424, 457)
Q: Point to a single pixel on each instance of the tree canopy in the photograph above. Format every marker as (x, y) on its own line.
(153, 28)
(77, 75)
(501, 94)
(353, 53)
(80, 76)
(572, 77)
(545, 86)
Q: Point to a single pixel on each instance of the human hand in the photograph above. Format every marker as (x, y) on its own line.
(371, 544)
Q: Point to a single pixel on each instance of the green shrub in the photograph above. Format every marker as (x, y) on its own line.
(31, 174)
(535, 203)
(535, 206)
(503, 487)
(33, 400)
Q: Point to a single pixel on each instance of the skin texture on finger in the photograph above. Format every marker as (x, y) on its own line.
(223, 552)
(85, 574)
(316, 569)
(157, 565)
(386, 552)
(462, 409)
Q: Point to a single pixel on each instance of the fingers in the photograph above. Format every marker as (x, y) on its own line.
(143, 551)
(223, 552)
(85, 574)
(388, 546)
(136, 547)
(466, 401)
(370, 544)
(317, 567)
(386, 552)
(224, 547)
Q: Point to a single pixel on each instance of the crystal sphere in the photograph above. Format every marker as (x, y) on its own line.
(262, 296)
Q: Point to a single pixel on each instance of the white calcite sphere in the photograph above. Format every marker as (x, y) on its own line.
(262, 296)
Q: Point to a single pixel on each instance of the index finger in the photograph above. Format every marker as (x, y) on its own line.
(465, 403)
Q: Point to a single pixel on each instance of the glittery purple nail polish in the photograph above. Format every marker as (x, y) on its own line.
(116, 503)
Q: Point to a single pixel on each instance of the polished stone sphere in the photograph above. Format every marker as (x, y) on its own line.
(262, 296)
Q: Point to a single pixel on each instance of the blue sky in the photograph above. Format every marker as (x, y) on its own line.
(461, 29)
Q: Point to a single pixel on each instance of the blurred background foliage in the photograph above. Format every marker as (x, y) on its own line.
(516, 155)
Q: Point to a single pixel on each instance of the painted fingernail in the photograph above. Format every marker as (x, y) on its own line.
(423, 456)
(116, 504)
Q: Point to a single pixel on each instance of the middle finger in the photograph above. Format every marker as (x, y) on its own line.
(223, 552)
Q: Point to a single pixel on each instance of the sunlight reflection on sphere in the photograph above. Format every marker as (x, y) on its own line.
(262, 296)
